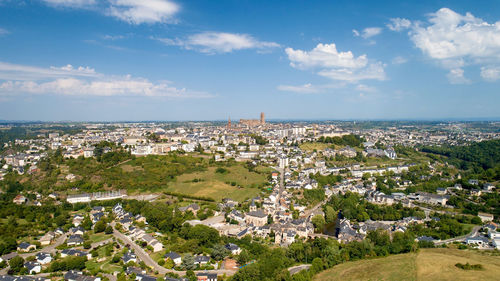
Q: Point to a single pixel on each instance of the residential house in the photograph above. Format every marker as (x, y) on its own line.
(233, 248)
(33, 267)
(43, 258)
(201, 260)
(47, 238)
(74, 240)
(205, 276)
(73, 275)
(176, 258)
(256, 218)
(20, 199)
(129, 257)
(485, 217)
(25, 247)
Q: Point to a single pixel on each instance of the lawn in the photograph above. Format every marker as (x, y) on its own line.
(310, 146)
(215, 185)
(99, 237)
(427, 264)
(397, 267)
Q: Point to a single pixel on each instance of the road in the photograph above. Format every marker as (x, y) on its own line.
(142, 255)
(473, 232)
(49, 249)
(298, 268)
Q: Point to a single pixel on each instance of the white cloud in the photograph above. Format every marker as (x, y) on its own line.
(365, 88)
(324, 56)
(82, 81)
(141, 11)
(399, 60)
(113, 37)
(456, 40)
(456, 76)
(219, 42)
(303, 89)
(374, 71)
(3, 31)
(330, 63)
(454, 36)
(399, 24)
(10, 71)
(368, 33)
(131, 11)
(371, 31)
(490, 74)
(70, 3)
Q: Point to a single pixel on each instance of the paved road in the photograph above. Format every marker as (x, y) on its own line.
(143, 197)
(473, 232)
(142, 255)
(298, 268)
(49, 249)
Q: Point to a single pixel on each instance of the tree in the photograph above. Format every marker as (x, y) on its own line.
(317, 265)
(87, 244)
(16, 263)
(100, 226)
(330, 214)
(188, 262)
(86, 223)
(108, 229)
(219, 252)
(243, 257)
(319, 222)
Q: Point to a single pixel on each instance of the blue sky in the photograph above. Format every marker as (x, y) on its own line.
(208, 60)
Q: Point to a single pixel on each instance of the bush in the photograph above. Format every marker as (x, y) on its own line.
(469, 266)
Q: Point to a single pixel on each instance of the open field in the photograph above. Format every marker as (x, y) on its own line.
(310, 146)
(427, 264)
(209, 183)
(398, 267)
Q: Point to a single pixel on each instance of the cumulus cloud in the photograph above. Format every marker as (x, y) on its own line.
(324, 56)
(399, 24)
(368, 33)
(456, 76)
(490, 74)
(82, 81)
(219, 42)
(331, 63)
(456, 40)
(140, 11)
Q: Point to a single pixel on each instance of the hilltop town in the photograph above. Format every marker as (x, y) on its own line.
(205, 200)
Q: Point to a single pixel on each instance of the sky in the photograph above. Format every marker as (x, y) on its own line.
(133, 60)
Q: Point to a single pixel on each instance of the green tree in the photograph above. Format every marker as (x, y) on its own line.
(318, 222)
(100, 226)
(188, 262)
(219, 252)
(16, 263)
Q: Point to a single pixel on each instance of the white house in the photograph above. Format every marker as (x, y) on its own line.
(176, 258)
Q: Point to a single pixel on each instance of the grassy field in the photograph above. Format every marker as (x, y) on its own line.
(217, 185)
(398, 267)
(310, 146)
(427, 264)
(99, 237)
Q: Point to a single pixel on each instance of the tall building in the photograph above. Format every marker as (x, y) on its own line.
(254, 122)
(229, 123)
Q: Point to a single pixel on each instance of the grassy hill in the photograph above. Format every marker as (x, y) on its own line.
(427, 264)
